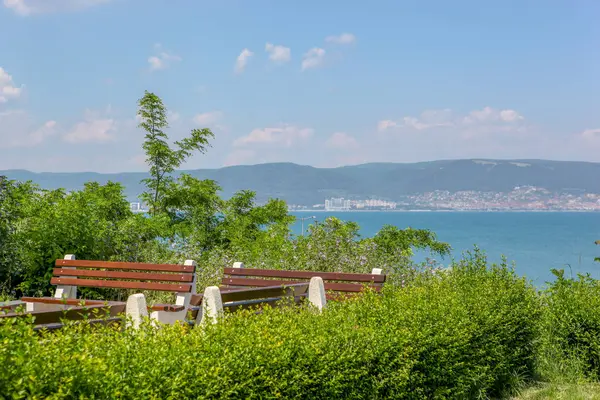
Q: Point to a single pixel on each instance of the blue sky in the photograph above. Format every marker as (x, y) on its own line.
(324, 83)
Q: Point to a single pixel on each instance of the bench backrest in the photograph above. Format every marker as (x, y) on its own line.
(241, 299)
(70, 273)
(239, 277)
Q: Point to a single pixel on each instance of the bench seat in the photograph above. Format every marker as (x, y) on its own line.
(338, 285)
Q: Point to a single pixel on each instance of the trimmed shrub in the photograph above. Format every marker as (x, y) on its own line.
(571, 328)
(460, 334)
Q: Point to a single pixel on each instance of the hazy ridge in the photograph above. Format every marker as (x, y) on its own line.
(299, 184)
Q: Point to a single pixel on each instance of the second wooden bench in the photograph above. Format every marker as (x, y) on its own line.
(337, 284)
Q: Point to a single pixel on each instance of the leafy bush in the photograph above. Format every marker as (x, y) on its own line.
(460, 334)
(571, 328)
(332, 245)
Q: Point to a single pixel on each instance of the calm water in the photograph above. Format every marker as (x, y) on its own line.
(534, 241)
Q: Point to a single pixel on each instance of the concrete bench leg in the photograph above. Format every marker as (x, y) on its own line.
(316, 293)
(181, 299)
(212, 306)
(136, 309)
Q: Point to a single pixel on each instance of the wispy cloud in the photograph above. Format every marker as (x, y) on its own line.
(17, 129)
(95, 128)
(242, 61)
(208, 118)
(29, 7)
(591, 134)
(476, 122)
(8, 90)
(313, 58)
(344, 38)
(488, 114)
(284, 136)
(162, 59)
(278, 54)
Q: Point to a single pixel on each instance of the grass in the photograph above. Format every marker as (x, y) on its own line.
(555, 391)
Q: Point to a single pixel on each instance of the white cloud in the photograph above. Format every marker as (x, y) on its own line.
(162, 60)
(28, 7)
(591, 134)
(427, 120)
(386, 124)
(242, 61)
(313, 58)
(94, 128)
(344, 38)
(17, 129)
(488, 114)
(39, 135)
(341, 140)
(486, 120)
(510, 116)
(8, 90)
(208, 118)
(284, 136)
(278, 54)
(172, 116)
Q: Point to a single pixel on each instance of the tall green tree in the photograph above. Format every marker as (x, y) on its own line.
(89, 223)
(9, 261)
(162, 158)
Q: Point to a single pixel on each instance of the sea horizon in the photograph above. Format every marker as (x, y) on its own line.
(535, 241)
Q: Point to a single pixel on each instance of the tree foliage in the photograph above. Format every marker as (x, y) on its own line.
(188, 220)
(10, 263)
(163, 159)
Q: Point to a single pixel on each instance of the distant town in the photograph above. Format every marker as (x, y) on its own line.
(521, 198)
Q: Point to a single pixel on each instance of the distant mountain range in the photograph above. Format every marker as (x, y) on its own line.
(305, 185)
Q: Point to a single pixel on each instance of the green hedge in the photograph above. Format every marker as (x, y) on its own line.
(461, 334)
(571, 328)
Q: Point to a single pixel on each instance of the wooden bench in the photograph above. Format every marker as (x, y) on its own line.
(337, 284)
(214, 302)
(56, 310)
(69, 274)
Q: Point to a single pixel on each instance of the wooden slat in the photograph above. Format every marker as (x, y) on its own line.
(142, 276)
(193, 311)
(9, 305)
(125, 265)
(196, 299)
(332, 276)
(165, 287)
(75, 313)
(70, 302)
(167, 307)
(339, 287)
(260, 293)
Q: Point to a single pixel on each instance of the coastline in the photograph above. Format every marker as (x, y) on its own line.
(446, 211)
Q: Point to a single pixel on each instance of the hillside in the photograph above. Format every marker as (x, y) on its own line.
(307, 185)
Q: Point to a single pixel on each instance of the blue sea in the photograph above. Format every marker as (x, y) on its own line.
(534, 241)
